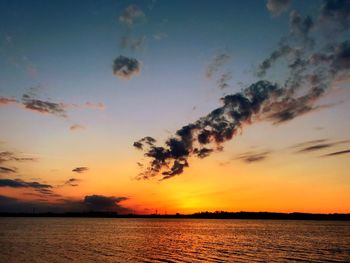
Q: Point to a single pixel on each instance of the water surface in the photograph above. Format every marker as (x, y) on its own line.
(172, 240)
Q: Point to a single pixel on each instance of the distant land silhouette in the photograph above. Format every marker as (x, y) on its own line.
(200, 215)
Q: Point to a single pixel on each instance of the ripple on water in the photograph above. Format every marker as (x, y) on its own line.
(172, 240)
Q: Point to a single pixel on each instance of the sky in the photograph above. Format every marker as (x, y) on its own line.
(174, 106)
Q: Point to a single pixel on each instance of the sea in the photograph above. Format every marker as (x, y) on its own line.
(172, 240)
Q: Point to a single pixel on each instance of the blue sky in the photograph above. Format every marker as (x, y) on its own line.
(63, 52)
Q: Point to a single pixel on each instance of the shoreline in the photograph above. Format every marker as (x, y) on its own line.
(203, 215)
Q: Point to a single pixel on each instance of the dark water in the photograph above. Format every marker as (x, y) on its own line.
(172, 240)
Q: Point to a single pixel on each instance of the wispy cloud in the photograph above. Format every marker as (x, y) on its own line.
(30, 101)
(216, 63)
(72, 182)
(7, 156)
(277, 7)
(45, 107)
(251, 157)
(336, 153)
(7, 101)
(80, 169)
(317, 145)
(6, 170)
(131, 15)
(75, 127)
(134, 44)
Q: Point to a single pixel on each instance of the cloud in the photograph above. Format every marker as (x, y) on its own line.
(7, 156)
(80, 169)
(307, 143)
(160, 36)
(300, 26)
(72, 182)
(45, 107)
(104, 203)
(18, 183)
(6, 170)
(317, 145)
(207, 134)
(281, 51)
(31, 102)
(216, 63)
(133, 44)
(310, 72)
(7, 101)
(337, 12)
(277, 7)
(131, 15)
(251, 157)
(336, 153)
(75, 127)
(126, 68)
(97, 203)
(223, 80)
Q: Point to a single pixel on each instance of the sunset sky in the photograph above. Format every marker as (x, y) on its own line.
(83, 82)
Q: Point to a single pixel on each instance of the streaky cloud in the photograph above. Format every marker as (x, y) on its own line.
(7, 101)
(6, 170)
(336, 153)
(7, 156)
(252, 157)
(44, 107)
(80, 169)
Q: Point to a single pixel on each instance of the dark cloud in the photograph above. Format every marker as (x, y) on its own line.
(251, 157)
(336, 153)
(207, 134)
(301, 26)
(277, 7)
(89, 203)
(310, 72)
(104, 203)
(308, 143)
(147, 140)
(72, 182)
(216, 63)
(7, 156)
(18, 183)
(131, 15)
(6, 101)
(45, 107)
(80, 169)
(126, 68)
(29, 101)
(317, 145)
(6, 170)
(14, 205)
(337, 12)
(42, 189)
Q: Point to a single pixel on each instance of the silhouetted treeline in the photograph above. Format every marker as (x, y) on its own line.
(201, 215)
